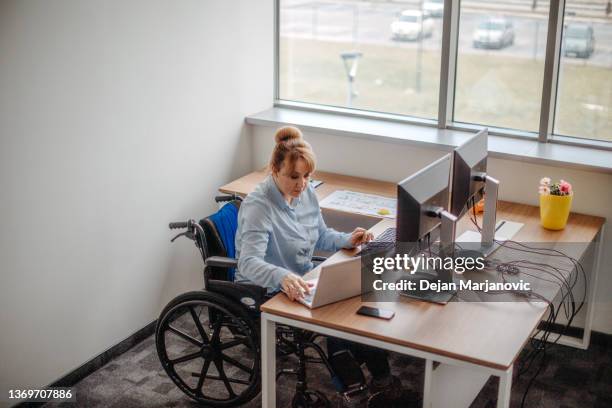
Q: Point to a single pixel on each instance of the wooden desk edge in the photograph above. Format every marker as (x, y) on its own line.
(444, 353)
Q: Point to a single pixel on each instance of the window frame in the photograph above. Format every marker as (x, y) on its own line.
(448, 72)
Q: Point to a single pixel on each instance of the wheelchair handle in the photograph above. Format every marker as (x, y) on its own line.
(175, 225)
(193, 229)
(230, 197)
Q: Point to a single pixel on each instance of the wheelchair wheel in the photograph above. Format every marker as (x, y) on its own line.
(209, 347)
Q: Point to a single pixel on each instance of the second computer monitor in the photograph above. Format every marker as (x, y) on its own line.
(420, 199)
(469, 169)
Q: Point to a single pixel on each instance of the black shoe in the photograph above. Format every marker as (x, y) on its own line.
(356, 398)
(393, 395)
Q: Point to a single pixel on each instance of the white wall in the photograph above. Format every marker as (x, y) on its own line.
(519, 181)
(116, 117)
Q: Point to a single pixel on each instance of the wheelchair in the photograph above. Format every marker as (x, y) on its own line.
(208, 341)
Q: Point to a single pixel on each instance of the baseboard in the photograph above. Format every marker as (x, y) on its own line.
(559, 328)
(98, 361)
(597, 338)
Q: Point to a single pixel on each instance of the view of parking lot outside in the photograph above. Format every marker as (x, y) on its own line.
(584, 93)
(397, 48)
(500, 68)
(392, 76)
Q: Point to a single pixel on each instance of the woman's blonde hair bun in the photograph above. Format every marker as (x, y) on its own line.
(287, 133)
(291, 146)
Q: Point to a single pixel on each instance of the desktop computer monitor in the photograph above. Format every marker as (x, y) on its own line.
(470, 183)
(469, 169)
(422, 203)
(422, 218)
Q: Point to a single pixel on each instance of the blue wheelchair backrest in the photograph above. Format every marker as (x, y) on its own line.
(226, 225)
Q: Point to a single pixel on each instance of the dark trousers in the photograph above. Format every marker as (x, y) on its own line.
(375, 359)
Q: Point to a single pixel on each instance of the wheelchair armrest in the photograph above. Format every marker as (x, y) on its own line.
(251, 296)
(224, 262)
(221, 261)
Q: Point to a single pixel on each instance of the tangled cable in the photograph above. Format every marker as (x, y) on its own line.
(564, 278)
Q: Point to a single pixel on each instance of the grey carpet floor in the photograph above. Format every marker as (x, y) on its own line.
(571, 378)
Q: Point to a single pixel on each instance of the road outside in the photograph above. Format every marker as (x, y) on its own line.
(494, 87)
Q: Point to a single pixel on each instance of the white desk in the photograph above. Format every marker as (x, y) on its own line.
(470, 341)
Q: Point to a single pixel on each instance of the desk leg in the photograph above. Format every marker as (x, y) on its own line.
(505, 386)
(457, 386)
(427, 385)
(268, 362)
(586, 338)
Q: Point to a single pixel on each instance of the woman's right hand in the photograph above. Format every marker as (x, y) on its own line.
(294, 286)
(360, 236)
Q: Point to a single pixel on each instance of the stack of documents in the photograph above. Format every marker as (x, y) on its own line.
(360, 203)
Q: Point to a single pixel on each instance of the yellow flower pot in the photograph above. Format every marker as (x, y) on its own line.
(554, 210)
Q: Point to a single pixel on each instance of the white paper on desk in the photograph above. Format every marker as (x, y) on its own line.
(507, 231)
(360, 203)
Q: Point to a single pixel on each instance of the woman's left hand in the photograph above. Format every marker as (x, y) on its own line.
(360, 236)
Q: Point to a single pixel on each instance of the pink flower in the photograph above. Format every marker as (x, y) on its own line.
(565, 187)
(545, 181)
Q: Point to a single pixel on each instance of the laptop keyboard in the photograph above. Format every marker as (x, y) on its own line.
(383, 242)
(310, 296)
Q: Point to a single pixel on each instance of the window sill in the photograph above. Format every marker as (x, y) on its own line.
(380, 130)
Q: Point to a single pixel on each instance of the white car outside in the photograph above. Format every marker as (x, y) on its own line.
(412, 25)
(493, 33)
(435, 8)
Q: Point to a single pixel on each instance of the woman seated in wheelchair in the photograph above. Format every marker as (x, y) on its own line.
(279, 227)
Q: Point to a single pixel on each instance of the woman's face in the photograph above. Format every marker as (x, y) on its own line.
(291, 183)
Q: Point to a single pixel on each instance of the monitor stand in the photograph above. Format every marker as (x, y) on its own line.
(487, 235)
(447, 233)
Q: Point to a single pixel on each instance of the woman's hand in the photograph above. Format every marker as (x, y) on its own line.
(294, 286)
(360, 236)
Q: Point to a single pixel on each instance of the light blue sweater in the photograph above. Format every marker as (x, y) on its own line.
(275, 238)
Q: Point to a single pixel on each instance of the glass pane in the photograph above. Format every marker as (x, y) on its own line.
(500, 65)
(584, 94)
(380, 56)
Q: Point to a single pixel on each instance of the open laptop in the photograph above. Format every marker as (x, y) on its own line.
(336, 282)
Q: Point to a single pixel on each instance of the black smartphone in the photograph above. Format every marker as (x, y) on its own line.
(375, 312)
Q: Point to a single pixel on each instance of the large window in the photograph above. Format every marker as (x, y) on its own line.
(584, 95)
(505, 70)
(372, 55)
(500, 67)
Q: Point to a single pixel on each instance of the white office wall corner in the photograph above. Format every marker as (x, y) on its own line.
(518, 182)
(116, 118)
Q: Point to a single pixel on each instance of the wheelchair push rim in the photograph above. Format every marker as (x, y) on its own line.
(209, 348)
